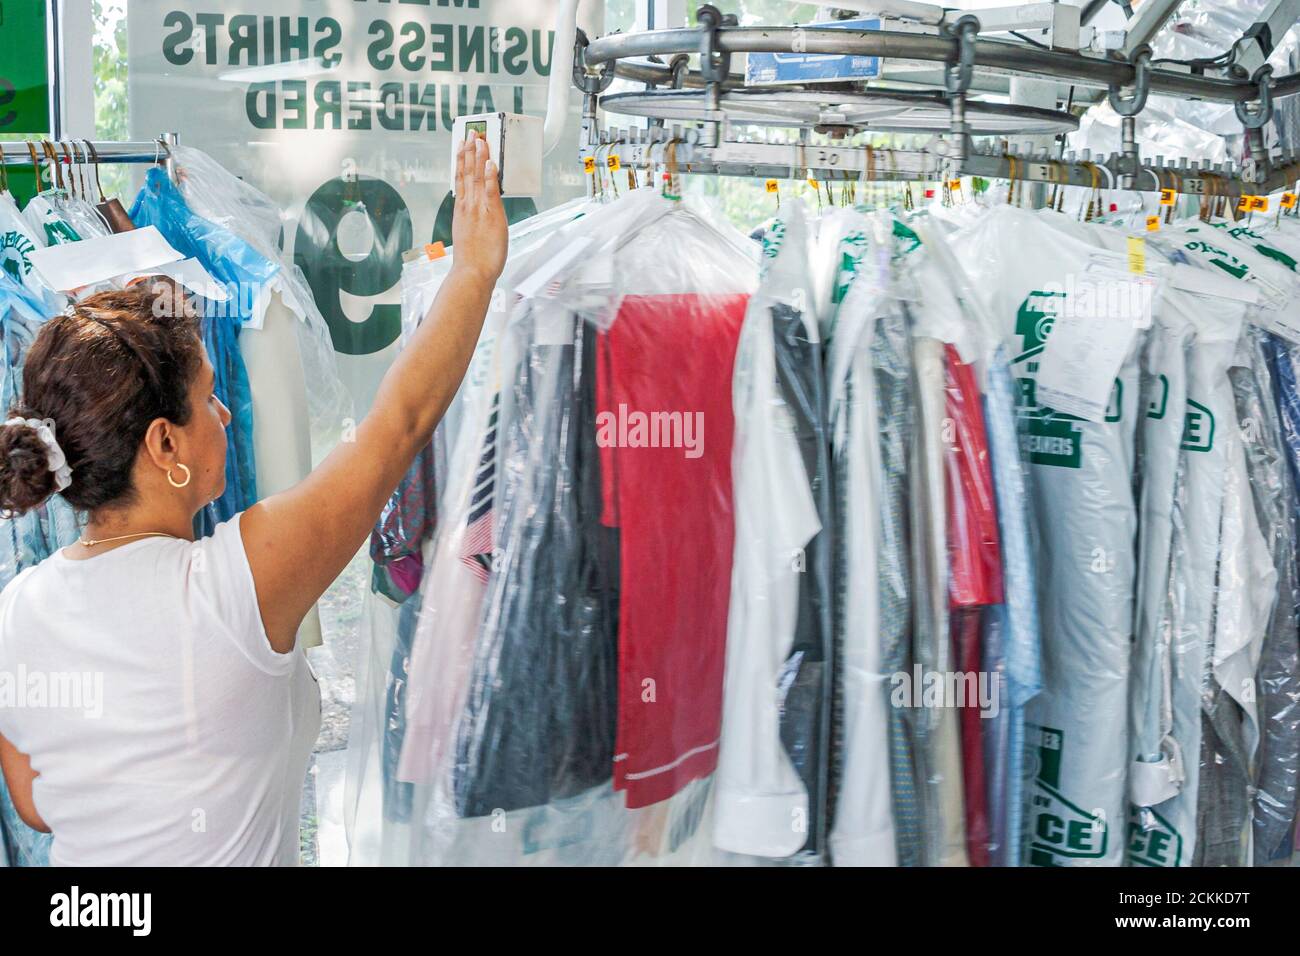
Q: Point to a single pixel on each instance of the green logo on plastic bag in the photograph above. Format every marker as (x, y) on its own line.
(1048, 437)
(1198, 427)
(1152, 840)
(1061, 830)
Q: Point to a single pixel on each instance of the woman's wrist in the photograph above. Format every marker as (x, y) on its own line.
(469, 272)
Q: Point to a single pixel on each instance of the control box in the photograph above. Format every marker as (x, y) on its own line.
(514, 144)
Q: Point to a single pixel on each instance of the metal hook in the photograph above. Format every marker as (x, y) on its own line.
(585, 80)
(78, 167)
(679, 67)
(56, 174)
(94, 158)
(1141, 61)
(957, 76)
(70, 179)
(1260, 117)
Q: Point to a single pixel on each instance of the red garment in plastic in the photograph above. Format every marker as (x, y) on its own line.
(966, 649)
(975, 574)
(974, 555)
(665, 426)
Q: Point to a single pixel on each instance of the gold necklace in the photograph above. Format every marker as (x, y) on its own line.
(87, 543)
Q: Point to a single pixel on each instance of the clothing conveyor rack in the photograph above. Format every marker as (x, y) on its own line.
(712, 141)
(81, 152)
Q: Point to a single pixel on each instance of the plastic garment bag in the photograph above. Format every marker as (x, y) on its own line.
(45, 217)
(1278, 757)
(995, 611)
(524, 685)
(1247, 591)
(772, 757)
(1199, 523)
(17, 241)
(1011, 630)
(1157, 771)
(226, 201)
(30, 538)
(875, 808)
(945, 838)
(975, 581)
(231, 261)
(1082, 503)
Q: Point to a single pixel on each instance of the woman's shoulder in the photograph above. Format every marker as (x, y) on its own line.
(20, 583)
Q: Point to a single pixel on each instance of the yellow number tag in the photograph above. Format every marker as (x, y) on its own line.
(1259, 204)
(1168, 197)
(588, 165)
(1137, 254)
(770, 185)
(1153, 223)
(954, 184)
(1243, 204)
(1288, 200)
(612, 162)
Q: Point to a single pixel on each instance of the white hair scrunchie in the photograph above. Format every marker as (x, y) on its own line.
(58, 462)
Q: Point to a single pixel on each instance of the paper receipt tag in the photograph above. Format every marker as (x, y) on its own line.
(1137, 254)
(1081, 358)
(1106, 287)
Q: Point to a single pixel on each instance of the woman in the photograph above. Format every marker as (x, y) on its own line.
(178, 717)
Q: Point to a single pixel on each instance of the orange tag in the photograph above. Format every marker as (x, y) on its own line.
(954, 184)
(1259, 204)
(1153, 223)
(588, 165)
(1243, 204)
(612, 162)
(435, 250)
(770, 185)
(1288, 200)
(1168, 197)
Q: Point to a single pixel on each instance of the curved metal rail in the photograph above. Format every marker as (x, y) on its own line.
(990, 54)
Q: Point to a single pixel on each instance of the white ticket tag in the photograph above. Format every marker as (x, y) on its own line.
(1084, 353)
(75, 265)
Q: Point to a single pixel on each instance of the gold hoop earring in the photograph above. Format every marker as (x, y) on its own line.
(178, 484)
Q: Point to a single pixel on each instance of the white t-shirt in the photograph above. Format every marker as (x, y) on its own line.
(169, 732)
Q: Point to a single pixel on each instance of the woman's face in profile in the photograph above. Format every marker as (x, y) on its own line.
(205, 436)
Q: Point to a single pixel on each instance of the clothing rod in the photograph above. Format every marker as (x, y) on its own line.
(994, 54)
(75, 152)
(857, 164)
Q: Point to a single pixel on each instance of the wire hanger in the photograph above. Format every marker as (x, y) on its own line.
(56, 174)
(94, 161)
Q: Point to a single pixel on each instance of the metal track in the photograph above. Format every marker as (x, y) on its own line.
(1012, 57)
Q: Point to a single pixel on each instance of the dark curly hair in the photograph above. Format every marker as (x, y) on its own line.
(102, 372)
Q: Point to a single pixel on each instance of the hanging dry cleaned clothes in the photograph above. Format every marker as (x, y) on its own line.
(670, 358)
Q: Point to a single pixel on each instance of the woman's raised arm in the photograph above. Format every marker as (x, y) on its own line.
(299, 541)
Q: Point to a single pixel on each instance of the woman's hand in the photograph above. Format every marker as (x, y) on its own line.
(298, 541)
(479, 232)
